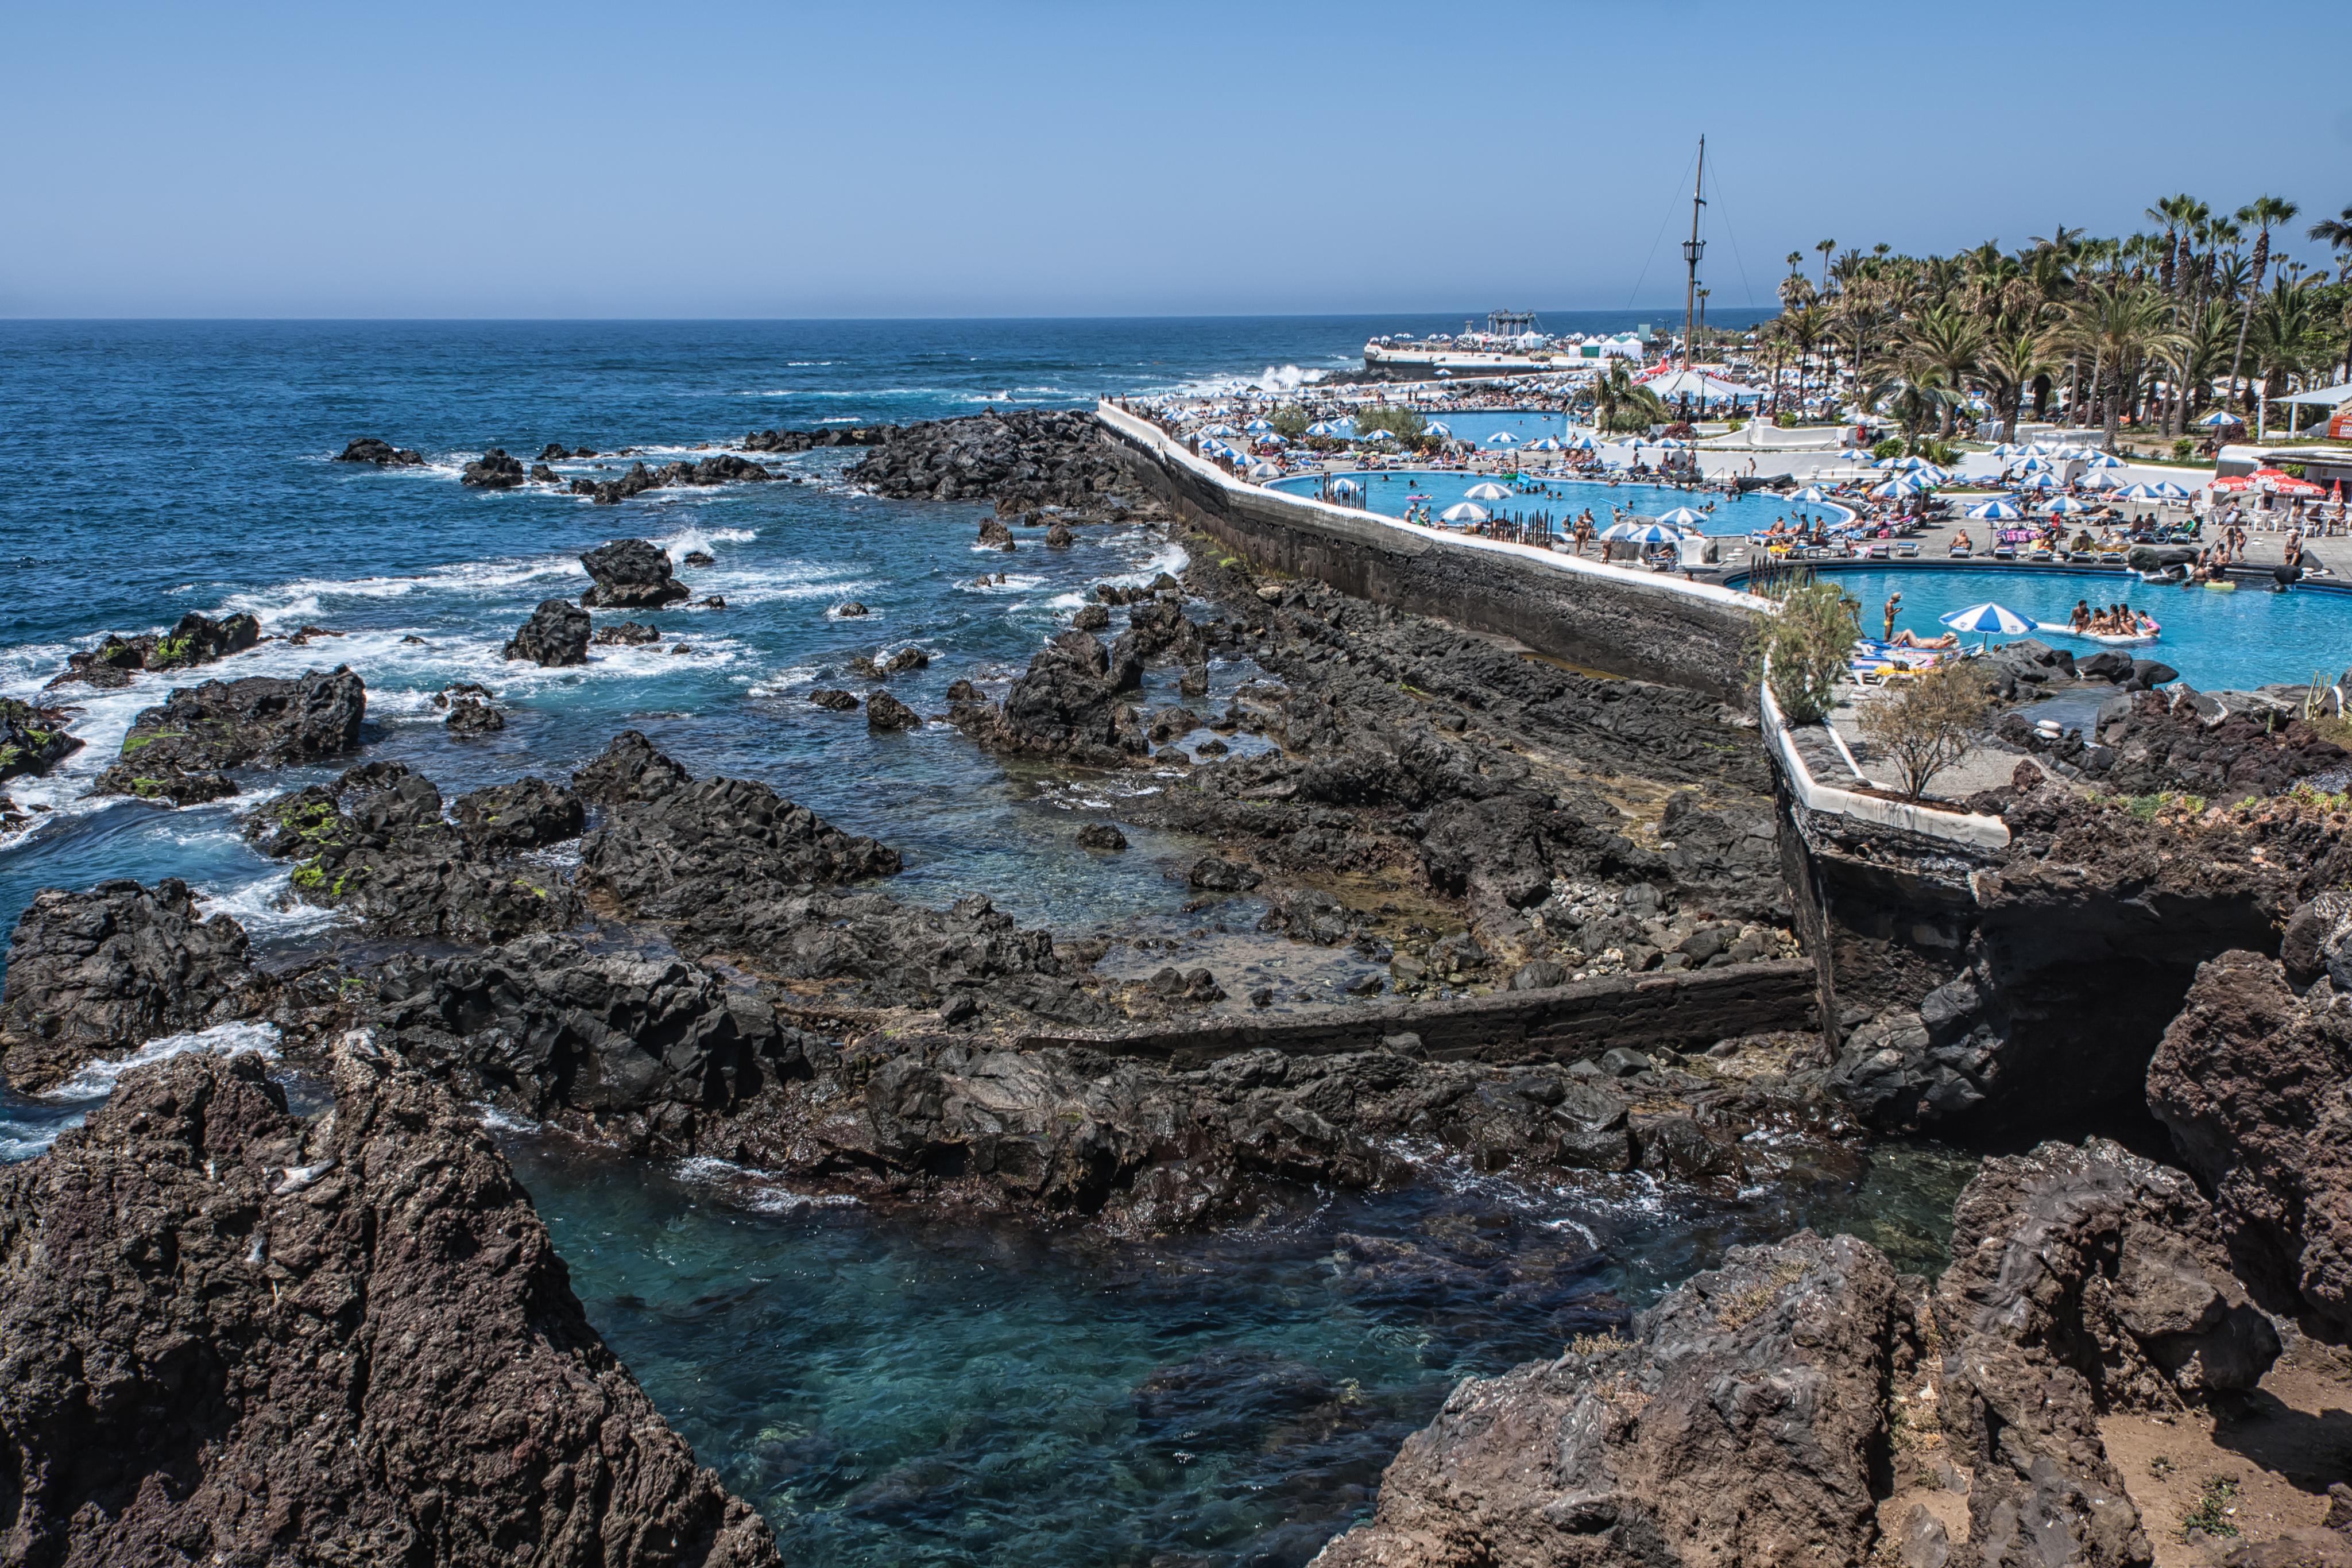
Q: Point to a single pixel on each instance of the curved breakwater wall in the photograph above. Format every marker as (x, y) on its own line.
(1647, 626)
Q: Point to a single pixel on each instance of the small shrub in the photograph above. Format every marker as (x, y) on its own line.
(1926, 724)
(2215, 1506)
(2183, 450)
(1890, 447)
(1806, 646)
(1785, 420)
(1289, 421)
(1405, 424)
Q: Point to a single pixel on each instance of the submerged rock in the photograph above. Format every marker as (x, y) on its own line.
(99, 974)
(631, 574)
(32, 740)
(375, 1280)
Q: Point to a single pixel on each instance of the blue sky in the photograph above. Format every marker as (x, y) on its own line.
(1066, 159)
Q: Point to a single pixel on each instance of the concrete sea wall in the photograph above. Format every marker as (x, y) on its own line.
(1613, 618)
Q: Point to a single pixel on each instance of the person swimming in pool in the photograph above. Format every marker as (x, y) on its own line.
(2080, 620)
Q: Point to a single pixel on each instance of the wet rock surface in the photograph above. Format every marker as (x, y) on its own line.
(496, 469)
(98, 974)
(2225, 746)
(260, 720)
(726, 468)
(373, 1279)
(557, 634)
(2251, 1081)
(33, 739)
(380, 452)
(194, 639)
(631, 574)
(375, 842)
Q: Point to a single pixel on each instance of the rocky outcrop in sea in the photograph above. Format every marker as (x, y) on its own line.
(181, 749)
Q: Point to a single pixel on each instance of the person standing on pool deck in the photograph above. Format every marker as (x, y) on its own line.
(1894, 603)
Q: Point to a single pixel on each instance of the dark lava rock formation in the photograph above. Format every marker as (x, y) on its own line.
(374, 840)
(261, 719)
(790, 441)
(341, 1340)
(629, 768)
(382, 453)
(726, 468)
(631, 574)
(494, 470)
(556, 635)
(1068, 704)
(99, 974)
(1022, 459)
(2147, 742)
(195, 640)
(2254, 1083)
(543, 1025)
(32, 740)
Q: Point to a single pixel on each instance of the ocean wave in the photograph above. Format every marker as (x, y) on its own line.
(96, 1080)
(753, 1190)
(266, 908)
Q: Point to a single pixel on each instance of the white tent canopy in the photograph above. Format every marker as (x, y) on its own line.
(2336, 396)
(1702, 386)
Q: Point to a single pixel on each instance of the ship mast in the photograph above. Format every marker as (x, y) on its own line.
(1693, 248)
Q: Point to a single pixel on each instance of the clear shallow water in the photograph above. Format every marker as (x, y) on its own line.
(891, 1393)
(886, 1392)
(1389, 492)
(2238, 640)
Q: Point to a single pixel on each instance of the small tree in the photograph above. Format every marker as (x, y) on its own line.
(1290, 422)
(1405, 424)
(1927, 723)
(1805, 646)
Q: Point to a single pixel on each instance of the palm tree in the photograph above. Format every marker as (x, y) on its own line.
(1825, 246)
(1914, 391)
(2288, 337)
(2261, 212)
(1620, 403)
(1806, 329)
(2205, 335)
(2121, 324)
(2168, 211)
(1948, 341)
(2336, 233)
(2012, 363)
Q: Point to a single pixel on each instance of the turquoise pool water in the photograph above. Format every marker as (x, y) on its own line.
(1388, 493)
(2240, 640)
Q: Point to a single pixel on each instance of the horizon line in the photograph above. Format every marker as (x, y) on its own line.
(734, 321)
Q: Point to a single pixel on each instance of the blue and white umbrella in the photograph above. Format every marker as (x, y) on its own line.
(1464, 513)
(1683, 517)
(2218, 418)
(2097, 480)
(1377, 435)
(2034, 464)
(1265, 471)
(2038, 482)
(1258, 426)
(2067, 506)
(1440, 429)
(2140, 493)
(1642, 533)
(1323, 427)
(1909, 465)
(2170, 491)
(1486, 492)
(1854, 455)
(1502, 438)
(2103, 460)
(1670, 441)
(1993, 511)
(1345, 487)
(1988, 618)
(1549, 444)
(1219, 430)
(2007, 449)
(1582, 443)
(1811, 496)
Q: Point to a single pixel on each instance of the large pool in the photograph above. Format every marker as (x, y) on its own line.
(1389, 492)
(2239, 639)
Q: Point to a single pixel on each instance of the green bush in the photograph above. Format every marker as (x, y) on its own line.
(2183, 450)
(1890, 447)
(1806, 646)
(1289, 421)
(1785, 420)
(1405, 424)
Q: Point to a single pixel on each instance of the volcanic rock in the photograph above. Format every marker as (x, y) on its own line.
(262, 719)
(627, 634)
(32, 740)
(631, 574)
(1067, 704)
(383, 453)
(100, 973)
(629, 769)
(195, 640)
(1024, 459)
(556, 634)
(471, 716)
(1737, 1425)
(374, 840)
(2251, 1081)
(835, 698)
(258, 1272)
(1101, 836)
(886, 712)
(493, 470)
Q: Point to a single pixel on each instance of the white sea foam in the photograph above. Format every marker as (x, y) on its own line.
(266, 906)
(96, 1080)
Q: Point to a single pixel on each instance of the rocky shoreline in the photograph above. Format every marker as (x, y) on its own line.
(676, 966)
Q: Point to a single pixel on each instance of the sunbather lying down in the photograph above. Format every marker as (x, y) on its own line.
(1905, 638)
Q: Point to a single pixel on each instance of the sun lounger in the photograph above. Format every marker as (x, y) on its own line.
(2004, 552)
(1908, 548)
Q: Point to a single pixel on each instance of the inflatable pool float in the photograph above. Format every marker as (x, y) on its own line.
(2110, 639)
(2223, 587)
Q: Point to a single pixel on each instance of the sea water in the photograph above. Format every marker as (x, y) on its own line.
(885, 1389)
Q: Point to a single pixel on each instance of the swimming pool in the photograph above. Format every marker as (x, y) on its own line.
(2240, 640)
(1474, 425)
(1388, 492)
